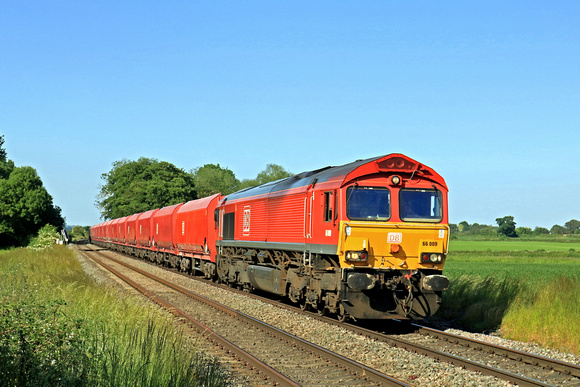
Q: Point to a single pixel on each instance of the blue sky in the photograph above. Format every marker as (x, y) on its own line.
(486, 93)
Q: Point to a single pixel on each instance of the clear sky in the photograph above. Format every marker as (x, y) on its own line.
(487, 93)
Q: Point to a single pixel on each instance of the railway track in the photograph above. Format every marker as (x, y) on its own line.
(521, 368)
(278, 357)
(504, 363)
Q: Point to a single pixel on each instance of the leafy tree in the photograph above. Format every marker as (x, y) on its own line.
(523, 231)
(136, 186)
(507, 226)
(540, 230)
(6, 165)
(573, 226)
(25, 206)
(2, 150)
(463, 226)
(79, 232)
(557, 229)
(211, 179)
(272, 172)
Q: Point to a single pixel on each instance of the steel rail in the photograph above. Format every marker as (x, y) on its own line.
(470, 365)
(566, 368)
(452, 359)
(269, 373)
(367, 372)
(559, 366)
(514, 354)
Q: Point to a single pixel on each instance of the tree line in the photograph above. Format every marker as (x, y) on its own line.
(506, 226)
(25, 204)
(132, 187)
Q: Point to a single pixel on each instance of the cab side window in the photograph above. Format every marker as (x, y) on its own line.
(328, 206)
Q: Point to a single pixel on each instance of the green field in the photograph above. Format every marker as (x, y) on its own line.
(512, 245)
(528, 289)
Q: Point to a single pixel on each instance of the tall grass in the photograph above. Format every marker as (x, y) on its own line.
(528, 296)
(57, 327)
(479, 304)
(548, 315)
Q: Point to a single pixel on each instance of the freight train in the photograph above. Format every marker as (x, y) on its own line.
(365, 240)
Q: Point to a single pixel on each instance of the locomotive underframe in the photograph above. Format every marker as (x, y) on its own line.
(316, 281)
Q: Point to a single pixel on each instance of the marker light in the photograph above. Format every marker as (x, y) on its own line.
(431, 258)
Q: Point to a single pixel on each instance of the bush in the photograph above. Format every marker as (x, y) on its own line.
(47, 236)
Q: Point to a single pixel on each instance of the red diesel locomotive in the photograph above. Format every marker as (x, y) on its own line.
(365, 240)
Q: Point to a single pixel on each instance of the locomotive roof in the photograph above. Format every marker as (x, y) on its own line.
(342, 172)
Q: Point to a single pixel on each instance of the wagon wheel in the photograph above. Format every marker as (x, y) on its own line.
(303, 304)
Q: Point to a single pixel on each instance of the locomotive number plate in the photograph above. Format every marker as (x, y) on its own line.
(431, 245)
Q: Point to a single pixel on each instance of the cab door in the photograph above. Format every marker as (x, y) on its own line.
(308, 215)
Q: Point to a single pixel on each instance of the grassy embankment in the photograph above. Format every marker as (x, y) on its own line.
(527, 288)
(58, 327)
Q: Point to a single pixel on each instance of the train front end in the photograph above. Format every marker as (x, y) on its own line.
(393, 240)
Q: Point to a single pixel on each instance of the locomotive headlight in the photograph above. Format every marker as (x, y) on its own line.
(347, 230)
(357, 256)
(431, 258)
(395, 180)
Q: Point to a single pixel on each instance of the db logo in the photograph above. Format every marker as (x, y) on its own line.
(246, 227)
(395, 237)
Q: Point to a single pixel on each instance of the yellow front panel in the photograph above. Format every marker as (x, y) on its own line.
(393, 245)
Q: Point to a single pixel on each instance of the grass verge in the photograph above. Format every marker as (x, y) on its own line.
(57, 327)
(528, 295)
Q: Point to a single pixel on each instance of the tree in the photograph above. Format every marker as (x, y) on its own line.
(507, 226)
(540, 230)
(25, 207)
(523, 231)
(79, 232)
(2, 150)
(463, 226)
(557, 229)
(211, 179)
(131, 187)
(272, 172)
(572, 226)
(6, 165)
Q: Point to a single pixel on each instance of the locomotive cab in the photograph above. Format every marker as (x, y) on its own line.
(393, 241)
